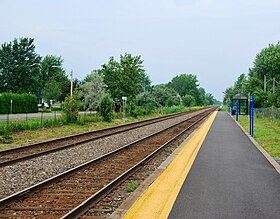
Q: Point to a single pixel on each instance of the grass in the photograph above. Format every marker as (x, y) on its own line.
(34, 132)
(266, 133)
(132, 186)
(31, 131)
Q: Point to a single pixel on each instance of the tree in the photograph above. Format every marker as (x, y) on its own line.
(147, 101)
(93, 90)
(188, 100)
(52, 90)
(267, 63)
(266, 71)
(55, 84)
(187, 84)
(19, 67)
(200, 98)
(209, 99)
(106, 108)
(184, 84)
(240, 84)
(123, 78)
(71, 108)
(145, 83)
(228, 94)
(167, 97)
(158, 86)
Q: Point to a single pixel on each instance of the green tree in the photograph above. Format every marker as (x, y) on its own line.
(200, 97)
(106, 108)
(158, 86)
(240, 86)
(123, 78)
(210, 100)
(267, 63)
(167, 97)
(92, 90)
(19, 67)
(52, 90)
(185, 84)
(55, 84)
(228, 94)
(266, 68)
(188, 100)
(145, 83)
(147, 101)
(71, 108)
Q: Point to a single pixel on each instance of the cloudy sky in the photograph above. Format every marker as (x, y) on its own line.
(216, 40)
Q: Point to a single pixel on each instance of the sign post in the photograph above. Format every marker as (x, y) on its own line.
(237, 110)
(252, 115)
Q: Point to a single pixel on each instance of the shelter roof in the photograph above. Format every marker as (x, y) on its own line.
(240, 96)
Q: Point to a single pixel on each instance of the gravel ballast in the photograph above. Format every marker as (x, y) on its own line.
(24, 174)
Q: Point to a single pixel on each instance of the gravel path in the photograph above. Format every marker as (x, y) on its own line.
(22, 175)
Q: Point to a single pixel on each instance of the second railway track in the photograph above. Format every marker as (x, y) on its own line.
(14, 155)
(70, 194)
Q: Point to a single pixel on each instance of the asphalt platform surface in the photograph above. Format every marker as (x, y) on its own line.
(230, 178)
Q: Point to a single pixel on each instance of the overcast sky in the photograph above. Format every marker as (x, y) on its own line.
(216, 40)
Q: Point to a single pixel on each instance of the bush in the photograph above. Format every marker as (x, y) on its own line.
(146, 104)
(22, 103)
(188, 100)
(167, 97)
(71, 108)
(174, 100)
(138, 111)
(173, 109)
(106, 108)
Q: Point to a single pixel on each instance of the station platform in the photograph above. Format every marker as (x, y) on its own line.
(219, 173)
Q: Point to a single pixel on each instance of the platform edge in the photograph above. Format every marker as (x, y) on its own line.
(161, 204)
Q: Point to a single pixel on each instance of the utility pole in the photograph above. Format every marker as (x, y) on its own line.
(71, 87)
(264, 83)
(11, 107)
(273, 85)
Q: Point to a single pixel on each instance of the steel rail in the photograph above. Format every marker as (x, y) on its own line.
(91, 201)
(57, 178)
(129, 126)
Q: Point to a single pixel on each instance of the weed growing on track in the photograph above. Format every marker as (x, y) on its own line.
(132, 186)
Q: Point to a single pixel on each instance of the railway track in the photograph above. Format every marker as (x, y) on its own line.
(71, 193)
(14, 155)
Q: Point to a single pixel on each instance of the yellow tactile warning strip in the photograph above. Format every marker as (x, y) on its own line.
(157, 201)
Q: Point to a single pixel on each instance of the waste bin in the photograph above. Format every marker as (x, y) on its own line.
(233, 112)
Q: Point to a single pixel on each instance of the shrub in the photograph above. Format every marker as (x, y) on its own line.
(138, 111)
(174, 100)
(173, 109)
(167, 97)
(188, 100)
(106, 108)
(71, 108)
(22, 103)
(146, 104)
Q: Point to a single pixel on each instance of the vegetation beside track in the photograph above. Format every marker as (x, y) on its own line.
(266, 133)
(25, 135)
